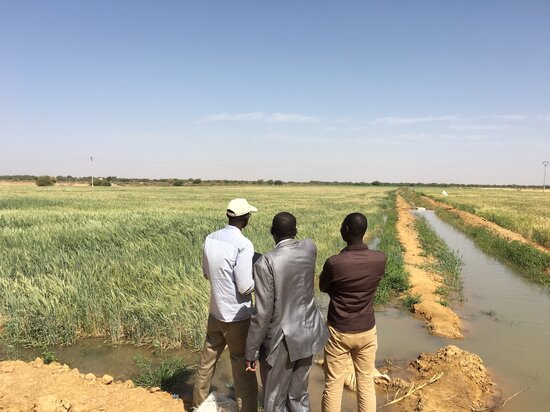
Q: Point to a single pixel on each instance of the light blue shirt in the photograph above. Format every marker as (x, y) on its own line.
(227, 263)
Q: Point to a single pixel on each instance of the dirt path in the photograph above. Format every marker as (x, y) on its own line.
(441, 320)
(56, 388)
(474, 220)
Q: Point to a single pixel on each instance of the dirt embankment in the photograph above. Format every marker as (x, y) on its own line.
(474, 220)
(38, 387)
(449, 380)
(441, 320)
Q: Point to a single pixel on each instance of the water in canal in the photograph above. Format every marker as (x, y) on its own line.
(506, 321)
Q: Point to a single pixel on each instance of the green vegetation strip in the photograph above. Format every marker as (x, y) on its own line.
(396, 279)
(446, 262)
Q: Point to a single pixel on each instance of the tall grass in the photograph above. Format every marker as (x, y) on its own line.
(396, 278)
(124, 263)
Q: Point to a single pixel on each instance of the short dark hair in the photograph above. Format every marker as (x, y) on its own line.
(284, 225)
(356, 224)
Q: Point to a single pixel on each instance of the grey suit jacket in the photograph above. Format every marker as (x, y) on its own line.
(285, 306)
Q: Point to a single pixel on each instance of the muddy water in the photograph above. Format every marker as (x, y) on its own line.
(506, 320)
(394, 327)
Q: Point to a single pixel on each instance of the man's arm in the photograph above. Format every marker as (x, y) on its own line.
(265, 302)
(325, 279)
(243, 270)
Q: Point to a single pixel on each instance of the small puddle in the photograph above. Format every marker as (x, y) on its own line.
(506, 321)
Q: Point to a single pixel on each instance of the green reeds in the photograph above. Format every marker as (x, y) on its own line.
(445, 261)
(396, 278)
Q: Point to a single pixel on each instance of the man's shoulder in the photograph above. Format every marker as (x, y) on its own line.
(307, 244)
(304, 244)
(377, 254)
(369, 255)
(228, 235)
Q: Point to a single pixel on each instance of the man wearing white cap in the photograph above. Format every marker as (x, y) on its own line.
(227, 264)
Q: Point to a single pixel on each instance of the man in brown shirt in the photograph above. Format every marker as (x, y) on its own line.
(351, 278)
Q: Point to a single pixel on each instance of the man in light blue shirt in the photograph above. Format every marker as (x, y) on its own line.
(227, 264)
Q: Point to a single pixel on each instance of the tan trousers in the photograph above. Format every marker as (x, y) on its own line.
(218, 335)
(362, 349)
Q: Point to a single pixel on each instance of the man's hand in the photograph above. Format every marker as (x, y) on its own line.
(251, 365)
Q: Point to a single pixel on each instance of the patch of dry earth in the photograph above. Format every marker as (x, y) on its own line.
(38, 387)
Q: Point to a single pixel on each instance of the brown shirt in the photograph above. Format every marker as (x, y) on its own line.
(351, 278)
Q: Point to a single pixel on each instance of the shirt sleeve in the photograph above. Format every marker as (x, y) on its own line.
(243, 270)
(265, 302)
(204, 262)
(325, 279)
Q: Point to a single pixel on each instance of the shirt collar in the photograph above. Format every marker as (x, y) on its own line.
(284, 241)
(230, 227)
(355, 247)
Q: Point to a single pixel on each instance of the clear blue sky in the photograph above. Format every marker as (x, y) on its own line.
(427, 91)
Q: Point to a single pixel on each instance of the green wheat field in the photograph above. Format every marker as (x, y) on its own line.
(124, 262)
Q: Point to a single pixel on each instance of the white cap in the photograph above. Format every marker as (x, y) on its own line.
(239, 207)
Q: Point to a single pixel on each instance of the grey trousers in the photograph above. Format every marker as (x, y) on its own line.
(285, 383)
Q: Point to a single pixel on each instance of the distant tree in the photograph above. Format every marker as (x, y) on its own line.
(197, 181)
(376, 183)
(177, 182)
(101, 182)
(278, 182)
(45, 181)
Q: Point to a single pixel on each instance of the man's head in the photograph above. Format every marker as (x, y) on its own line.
(238, 212)
(283, 226)
(354, 227)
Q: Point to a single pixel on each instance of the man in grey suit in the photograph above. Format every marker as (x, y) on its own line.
(287, 328)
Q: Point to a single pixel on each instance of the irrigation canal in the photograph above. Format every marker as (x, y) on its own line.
(506, 321)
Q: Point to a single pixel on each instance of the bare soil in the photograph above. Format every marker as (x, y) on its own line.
(440, 320)
(38, 387)
(475, 220)
(463, 383)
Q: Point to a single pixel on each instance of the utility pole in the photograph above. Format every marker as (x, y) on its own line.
(545, 163)
(92, 162)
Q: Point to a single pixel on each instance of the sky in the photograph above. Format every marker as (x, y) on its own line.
(395, 91)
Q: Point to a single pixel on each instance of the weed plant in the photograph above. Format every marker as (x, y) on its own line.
(165, 374)
(409, 300)
(48, 356)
